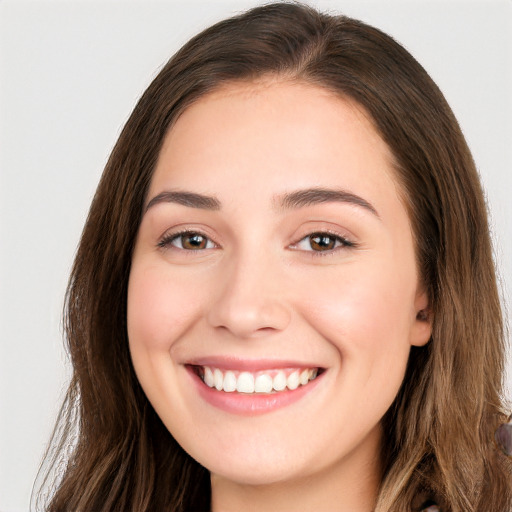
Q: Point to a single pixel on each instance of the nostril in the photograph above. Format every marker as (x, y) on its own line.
(249, 319)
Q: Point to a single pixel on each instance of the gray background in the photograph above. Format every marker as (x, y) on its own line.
(70, 73)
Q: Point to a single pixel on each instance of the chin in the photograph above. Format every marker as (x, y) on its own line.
(258, 473)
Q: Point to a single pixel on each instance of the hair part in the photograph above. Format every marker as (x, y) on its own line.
(440, 427)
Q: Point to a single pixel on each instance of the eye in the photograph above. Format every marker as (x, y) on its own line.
(187, 240)
(322, 242)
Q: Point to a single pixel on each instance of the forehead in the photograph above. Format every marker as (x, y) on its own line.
(275, 100)
(291, 134)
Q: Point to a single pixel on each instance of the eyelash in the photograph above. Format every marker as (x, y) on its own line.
(340, 242)
(167, 240)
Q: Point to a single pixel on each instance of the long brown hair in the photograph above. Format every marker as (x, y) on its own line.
(439, 430)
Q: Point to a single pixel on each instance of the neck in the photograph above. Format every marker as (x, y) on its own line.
(348, 486)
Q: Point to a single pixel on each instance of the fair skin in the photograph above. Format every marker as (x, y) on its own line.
(252, 275)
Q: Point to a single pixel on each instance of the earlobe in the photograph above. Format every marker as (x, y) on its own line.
(423, 315)
(422, 328)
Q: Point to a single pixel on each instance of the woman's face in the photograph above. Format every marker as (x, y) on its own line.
(274, 247)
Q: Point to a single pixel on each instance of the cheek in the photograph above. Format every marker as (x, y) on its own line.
(364, 311)
(160, 308)
(366, 316)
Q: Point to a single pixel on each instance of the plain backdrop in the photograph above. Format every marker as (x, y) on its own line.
(70, 73)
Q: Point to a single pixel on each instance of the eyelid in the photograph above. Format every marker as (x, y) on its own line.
(345, 242)
(165, 241)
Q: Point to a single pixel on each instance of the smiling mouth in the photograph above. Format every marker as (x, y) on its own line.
(261, 382)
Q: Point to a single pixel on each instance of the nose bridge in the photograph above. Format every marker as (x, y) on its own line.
(250, 299)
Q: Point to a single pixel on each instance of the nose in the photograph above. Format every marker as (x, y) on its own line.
(251, 300)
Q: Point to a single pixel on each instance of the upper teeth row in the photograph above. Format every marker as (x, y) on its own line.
(246, 382)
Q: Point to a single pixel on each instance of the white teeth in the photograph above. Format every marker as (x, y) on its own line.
(229, 382)
(218, 379)
(208, 377)
(279, 382)
(245, 383)
(303, 379)
(262, 382)
(292, 382)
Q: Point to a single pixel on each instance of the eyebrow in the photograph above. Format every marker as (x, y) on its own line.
(289, 201)
(190, 199)
(312, 196)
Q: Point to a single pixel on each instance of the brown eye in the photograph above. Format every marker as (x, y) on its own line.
(193, 241)
(188, 241)
(322, 242)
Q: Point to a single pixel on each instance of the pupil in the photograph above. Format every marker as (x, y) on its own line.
(194, 241)
(322, 242)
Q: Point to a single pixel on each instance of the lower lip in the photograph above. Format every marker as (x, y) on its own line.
(251, 404)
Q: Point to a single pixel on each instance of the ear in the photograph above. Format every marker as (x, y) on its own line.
(421, 328)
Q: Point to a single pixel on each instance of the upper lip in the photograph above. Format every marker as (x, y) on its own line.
(250, 365)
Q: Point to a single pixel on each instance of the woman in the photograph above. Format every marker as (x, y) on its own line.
(278, 301)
